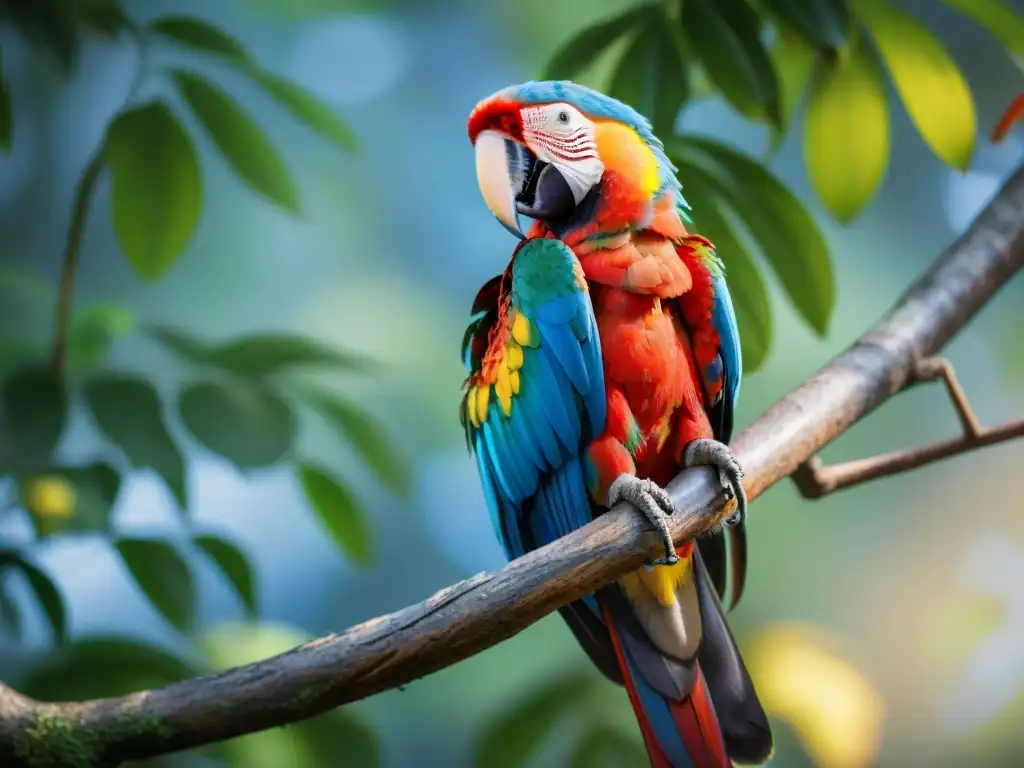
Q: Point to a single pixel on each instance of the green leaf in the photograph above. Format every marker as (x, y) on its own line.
(70, 499)
(580, 50)
(306, 108)
(927, 79)
(128, 411)
(93, 329)
(16, 353)
(602, 746)
(182, 344)
(246, 422)
(339, 511)
(783, 228)
(6, 115)
(201, 36)
(846, 133)
(101, 667)
(823, 24)
(749, 294)
(233, 563)
(269, 353)
(653, 74)
(240, 140)
(513, 738)
(156, 187)
(45, 591)
(999, 20)
(725, 34)
(163, 576)
(794, 63)
(35, 411)
(103, 16)
(47, 23)
(261, 354)
(366, 437)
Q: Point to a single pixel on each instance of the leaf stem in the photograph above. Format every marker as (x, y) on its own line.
(65, 297)
(76, 230)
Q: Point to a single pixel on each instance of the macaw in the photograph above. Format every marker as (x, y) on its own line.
(602, 361)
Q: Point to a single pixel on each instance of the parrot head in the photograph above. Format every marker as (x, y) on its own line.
(546, 149)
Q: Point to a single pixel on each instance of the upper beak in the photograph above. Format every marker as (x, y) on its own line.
(494, 176)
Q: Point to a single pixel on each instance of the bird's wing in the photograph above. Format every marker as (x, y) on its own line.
(535, 396)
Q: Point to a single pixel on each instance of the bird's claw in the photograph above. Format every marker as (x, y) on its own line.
(711, 453)
(655, 504)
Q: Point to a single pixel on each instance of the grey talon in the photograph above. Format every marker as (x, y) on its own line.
(655, 504)
(712, 453)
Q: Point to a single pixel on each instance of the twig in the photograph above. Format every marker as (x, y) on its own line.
(65, 296)
(79, 209)
(474, 614)
(814, 479)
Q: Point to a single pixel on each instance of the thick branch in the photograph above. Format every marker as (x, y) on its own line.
(479, 612)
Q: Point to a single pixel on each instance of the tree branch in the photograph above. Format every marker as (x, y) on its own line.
(815, 480)
(474, 614)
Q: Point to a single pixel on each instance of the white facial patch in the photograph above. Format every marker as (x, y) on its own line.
(561, 135)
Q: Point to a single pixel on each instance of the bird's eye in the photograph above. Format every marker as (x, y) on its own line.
(563, 117)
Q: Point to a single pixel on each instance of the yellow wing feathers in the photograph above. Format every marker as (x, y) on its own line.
(500, 372)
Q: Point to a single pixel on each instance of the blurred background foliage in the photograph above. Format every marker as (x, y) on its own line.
(240, 241)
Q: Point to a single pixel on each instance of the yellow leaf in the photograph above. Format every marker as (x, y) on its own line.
(927, 79)
(834, 711)
(847, 133)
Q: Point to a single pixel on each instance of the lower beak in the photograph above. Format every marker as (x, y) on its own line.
(495, 179)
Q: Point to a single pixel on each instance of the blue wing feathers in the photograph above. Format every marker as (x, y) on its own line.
(554, 396)
(565, 348)
(531, 411)
(531, 459)
(723, 317)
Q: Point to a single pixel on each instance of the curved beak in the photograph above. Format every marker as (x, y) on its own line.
(494, 175)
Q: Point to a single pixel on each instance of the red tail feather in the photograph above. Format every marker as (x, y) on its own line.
(699, 727)
(694, 716)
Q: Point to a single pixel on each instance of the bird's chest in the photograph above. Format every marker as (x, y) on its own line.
(647, 354)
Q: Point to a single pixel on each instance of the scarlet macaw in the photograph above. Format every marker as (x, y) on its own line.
(603, 360)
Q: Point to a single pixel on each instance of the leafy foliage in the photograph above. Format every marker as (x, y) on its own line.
(514, 738)
(235, 399)
(767, 60)
(45, 591)
(157, 187)
(128, 411)
(104, 666)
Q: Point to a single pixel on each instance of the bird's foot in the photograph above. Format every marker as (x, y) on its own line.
(711, 453)
(651, 499)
